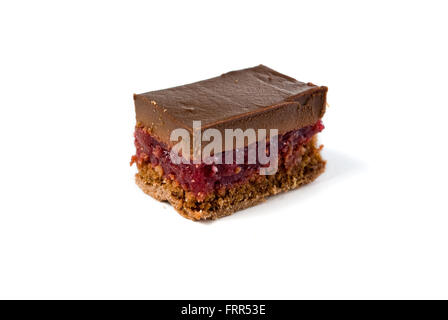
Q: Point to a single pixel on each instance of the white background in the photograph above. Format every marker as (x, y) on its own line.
(74, 225)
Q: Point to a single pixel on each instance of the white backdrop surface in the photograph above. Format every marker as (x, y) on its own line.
(74, 225)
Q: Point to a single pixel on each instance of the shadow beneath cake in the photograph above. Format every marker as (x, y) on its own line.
(339, 166)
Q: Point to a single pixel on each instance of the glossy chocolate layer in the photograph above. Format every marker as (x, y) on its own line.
(258, 98)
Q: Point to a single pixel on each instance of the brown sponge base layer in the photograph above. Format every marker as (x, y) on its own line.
(242, 196)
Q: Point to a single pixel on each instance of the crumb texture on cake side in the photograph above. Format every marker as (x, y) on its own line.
(226, 202)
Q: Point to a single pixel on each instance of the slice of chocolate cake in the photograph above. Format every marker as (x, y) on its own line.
(216, 146)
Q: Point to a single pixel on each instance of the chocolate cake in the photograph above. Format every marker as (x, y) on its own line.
(229, 179)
